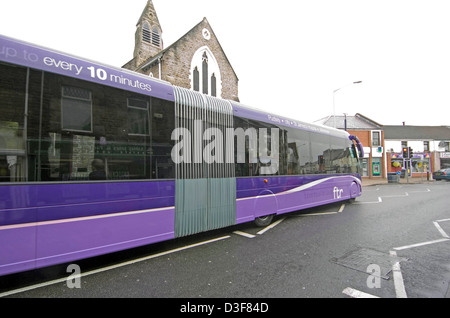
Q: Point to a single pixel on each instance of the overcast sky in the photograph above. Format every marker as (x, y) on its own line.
(289, 55)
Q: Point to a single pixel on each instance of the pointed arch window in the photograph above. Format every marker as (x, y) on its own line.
(196, 79)
(156, 37)
(205, 73)
(205, 77)
(213, 85)
(146, 35)
(151, 35)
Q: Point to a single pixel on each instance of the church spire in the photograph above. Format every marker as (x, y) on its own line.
(148, 40)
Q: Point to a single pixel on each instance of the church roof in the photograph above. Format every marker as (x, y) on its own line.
(149, 9)
(155, 58)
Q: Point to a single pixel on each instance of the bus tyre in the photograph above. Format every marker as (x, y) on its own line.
(264, 220)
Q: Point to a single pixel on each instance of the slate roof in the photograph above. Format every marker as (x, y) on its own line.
(155, 58)
(361, 122)
(416, 132)
(357, 122)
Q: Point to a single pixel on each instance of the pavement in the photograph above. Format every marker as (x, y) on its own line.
(378, 181)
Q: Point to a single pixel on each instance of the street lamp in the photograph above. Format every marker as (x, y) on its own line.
(345, 121)
(334, 102)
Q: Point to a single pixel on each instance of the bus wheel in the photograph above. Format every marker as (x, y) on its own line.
(264, 220)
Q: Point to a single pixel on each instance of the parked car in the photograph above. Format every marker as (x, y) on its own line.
(443, 174)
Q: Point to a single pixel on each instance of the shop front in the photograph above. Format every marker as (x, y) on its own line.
(417, 166)
(445, 160)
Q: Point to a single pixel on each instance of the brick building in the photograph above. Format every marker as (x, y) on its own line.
(196, 61)
(430, 146)
(383, 146)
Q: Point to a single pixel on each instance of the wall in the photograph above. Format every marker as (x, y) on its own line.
(365, 137)
(177, 59)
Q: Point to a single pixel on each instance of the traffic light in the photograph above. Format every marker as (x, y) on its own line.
(410, 152)
(321, 161)
(405, 153)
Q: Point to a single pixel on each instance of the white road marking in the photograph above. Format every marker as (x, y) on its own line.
(396, 195)
(341, 209)
(420, 244)
(398, 278)
(244, 234)
(392, 196)
(370, 202)
(428, 190)
(436, 224)
(270, 226)
(399, 285)
(357, 294)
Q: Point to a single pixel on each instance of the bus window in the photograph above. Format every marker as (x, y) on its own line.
(73, 124)
(298, 152)
(12, 119)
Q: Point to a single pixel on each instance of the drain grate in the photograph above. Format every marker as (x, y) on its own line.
(361, 258)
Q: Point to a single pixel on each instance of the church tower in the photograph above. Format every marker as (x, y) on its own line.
(196, 61)
(148, 40)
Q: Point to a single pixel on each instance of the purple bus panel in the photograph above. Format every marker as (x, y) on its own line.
(256, 114)
(43, 224)
(48, 224)
(29, 55)
(256, 198)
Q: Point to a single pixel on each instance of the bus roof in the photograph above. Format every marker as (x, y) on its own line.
(246, 111)
(37, 57)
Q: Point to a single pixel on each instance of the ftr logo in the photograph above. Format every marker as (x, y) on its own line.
(337, 193)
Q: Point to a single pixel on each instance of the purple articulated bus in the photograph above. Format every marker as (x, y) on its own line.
(96, 159)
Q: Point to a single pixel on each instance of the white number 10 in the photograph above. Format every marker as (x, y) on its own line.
(99, 73)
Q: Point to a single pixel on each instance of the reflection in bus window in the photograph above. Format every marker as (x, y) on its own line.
(72, 123)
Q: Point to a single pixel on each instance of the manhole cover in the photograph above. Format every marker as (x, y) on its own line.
(361, 258)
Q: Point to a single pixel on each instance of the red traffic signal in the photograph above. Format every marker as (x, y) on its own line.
(405, 153)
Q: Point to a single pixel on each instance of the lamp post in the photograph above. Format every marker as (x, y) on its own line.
(334, 99)
(345, 121)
